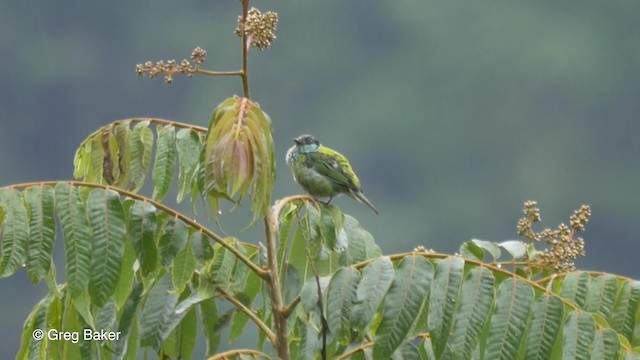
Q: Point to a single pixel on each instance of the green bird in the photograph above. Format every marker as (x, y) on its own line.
(323, 172)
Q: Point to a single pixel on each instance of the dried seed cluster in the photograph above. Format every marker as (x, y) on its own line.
(171, 67)
(261, 28)
(564, 247)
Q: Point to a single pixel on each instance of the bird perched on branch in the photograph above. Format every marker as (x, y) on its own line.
(323, 172)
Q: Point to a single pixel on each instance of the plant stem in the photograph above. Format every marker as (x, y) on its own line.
(244, 73)
(240, 306)
(275, 292)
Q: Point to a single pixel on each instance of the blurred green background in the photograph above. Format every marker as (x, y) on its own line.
(453, 113)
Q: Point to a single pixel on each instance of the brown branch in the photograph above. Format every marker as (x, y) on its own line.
(244, 73)
(232, 353)
(275, 292)
(241, 307)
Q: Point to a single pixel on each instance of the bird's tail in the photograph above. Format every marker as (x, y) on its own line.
(358, 195)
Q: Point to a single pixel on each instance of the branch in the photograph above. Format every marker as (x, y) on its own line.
(244, 73)
(258, 270)
(275, 291)
(231, 353)
(241, 307)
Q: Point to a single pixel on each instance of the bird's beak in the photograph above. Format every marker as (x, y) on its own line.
(297, 141)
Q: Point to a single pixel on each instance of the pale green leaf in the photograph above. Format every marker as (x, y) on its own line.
(404, 300)
(509, 321)
(476, 300)
(601, 295)
(575, 286)
(127, 324)
(173, 240)
(442, 304)
(209, 316)
(157, 312)
(141, 145)
(490, 246)
(188, 146)
(623, 318)
(516, 248)
(376, 279)
(165, 161)
(606, 345)
(360, 243)
(125, 280)
(15, 234)
(579, 333)
(548, 312)
(183, 268)
(77, 239)
(42, 230)
(142, 227)
(106, 217)
(341, 295)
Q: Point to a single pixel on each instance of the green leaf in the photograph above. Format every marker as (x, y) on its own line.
(188, 146)
(96, 165)
(407, 351)
(579, 332)
(77, 239)
(157, 312)
(548, 313)
(623, 318)
(15, 234)
(125, 280)
(516, 248)
(106, 217)
(165, 162)
(476, 299)
(219, 270)
(442, 304)
(202, 249)
(376, 279)
(575, 287)
(601, 295)
(31, 348)
(173, 240)
(42, 230)
(122, 134)
(469, 250)
(490, 246)
(341, 294)
(606, 345)
(403, 302)
(509, 321)
(184, 265)
(141, 145)
(127, 324)
(142, 226)
(361, 245)
(181, 330)
(209, 316)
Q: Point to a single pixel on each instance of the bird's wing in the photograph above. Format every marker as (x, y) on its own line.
(335, 166)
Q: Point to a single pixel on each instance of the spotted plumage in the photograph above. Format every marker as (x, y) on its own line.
(323, 172)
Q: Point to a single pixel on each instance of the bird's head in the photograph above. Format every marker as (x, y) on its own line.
(306, 143)
(306, 140)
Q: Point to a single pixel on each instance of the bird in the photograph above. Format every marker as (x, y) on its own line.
(323, 172)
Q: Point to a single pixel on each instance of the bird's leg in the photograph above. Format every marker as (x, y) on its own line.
(320, 201)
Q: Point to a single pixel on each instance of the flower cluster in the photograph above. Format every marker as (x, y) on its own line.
(259, 27)
(564, 247)
(171, 67)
